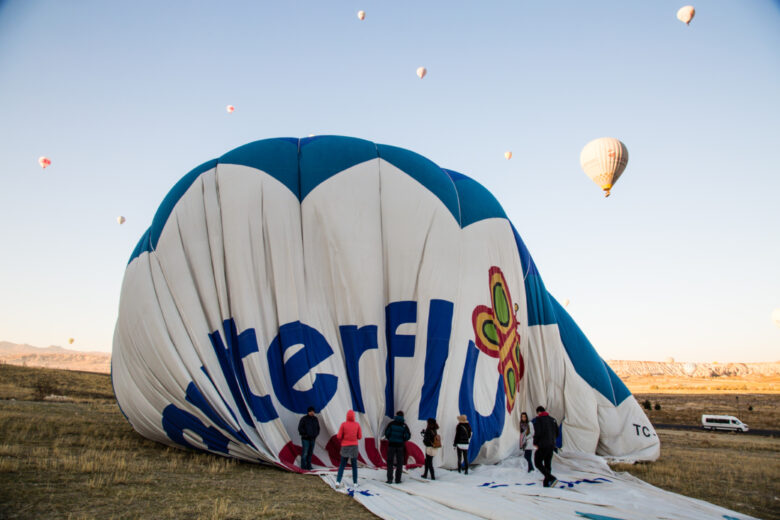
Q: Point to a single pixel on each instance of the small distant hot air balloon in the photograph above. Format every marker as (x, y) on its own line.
(120, 220)
(566, 302)
(44, 162)
(776, 316)
(507, 155)
(421, 72)
(70, 341)
(603, 160)
(690, 368)
(230, 109)
(669, 360)
(361, 15)
(685, 14)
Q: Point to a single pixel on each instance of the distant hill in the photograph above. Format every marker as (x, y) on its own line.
(54, 357)
(694, 370)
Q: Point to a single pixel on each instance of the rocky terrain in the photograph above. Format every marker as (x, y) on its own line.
(693, 370)
(54, 357)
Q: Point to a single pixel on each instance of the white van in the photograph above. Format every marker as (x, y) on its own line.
(723, 422)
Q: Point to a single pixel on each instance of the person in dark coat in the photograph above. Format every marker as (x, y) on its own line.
(396, 433)
(461, 442)
(545, 433)
(308, 428)
(432, 443)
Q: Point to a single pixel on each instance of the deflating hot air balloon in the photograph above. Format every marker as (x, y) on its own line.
(120, 220)
(421, 72)
(230, 109)
(44, 162)
(507, 155)
(685, 14)
(342, 274)
(776, 316)
(361, 15)
(70, 341)
(603, 160)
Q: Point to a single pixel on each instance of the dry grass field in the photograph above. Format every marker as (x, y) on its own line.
(688, 408)
(80, 459)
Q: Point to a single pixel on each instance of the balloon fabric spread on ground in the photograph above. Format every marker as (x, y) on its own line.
(341, 274)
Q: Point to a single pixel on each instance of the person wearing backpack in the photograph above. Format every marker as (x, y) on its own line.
(545, 433)
(461, 442)
(432, 442)
(396, 433)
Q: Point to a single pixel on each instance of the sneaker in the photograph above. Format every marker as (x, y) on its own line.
(356, 486)
(339, 485)
(553, 482)
(388, 482)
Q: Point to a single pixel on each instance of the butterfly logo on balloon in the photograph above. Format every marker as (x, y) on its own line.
(496, 332)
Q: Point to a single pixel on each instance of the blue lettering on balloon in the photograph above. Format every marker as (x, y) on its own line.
(355, 342)
(284, 375)
(484, 428)
(436, 352)
(175, 421)
(231, 361)
(398, 345)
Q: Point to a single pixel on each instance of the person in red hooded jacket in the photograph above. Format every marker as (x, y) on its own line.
(349, 435)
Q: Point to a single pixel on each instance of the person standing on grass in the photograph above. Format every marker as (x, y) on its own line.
(309, 429)
(432, 442)
(461, 442)
(527, 439)
(396, 433)
(545, 433)
(349, 434)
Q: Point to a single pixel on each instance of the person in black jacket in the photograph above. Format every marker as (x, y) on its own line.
(432, 443)
(308, 428)
(461, 442)
(396, 433)
(545, 433)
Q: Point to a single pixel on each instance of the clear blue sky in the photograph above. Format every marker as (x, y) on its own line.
(682, 260)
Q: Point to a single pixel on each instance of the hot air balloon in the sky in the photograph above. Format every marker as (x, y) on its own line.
(230, 109)
(686, 14)
(421, 72)
(603, 160)
(44, 162)
(776, 316)
(120, 220)
(70, 341)
(566, 302)
(507, 155)
(361, 15)
(689, 368)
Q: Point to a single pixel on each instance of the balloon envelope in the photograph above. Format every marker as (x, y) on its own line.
(689, 368)
(566, 302)
(421, 72)
(685, 14)
(230, 109)
(70, 341)
(604, 160)
(44, 162)
(343, 274)
(507, 155)
(120, 220)
(361, 15)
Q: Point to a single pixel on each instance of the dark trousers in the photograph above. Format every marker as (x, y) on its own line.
(543, 461)
(463, 454)
(527, 454)
(343, 465)
(308, 450)
(429, 467)
(395, 457)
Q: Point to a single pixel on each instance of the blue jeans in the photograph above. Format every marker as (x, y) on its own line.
(308, 450)
(341, 469)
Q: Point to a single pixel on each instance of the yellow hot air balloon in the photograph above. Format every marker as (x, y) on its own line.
(361, 15)
(776, 316)
(566, 302)
(120, 220)
(508, 155)
(686, 14)
(70, 341)
(603, 160)
(421, 72)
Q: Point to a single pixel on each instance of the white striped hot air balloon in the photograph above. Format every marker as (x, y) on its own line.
(603, 160)
(685, 14)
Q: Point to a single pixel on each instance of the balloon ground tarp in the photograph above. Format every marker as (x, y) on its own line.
(341, 274)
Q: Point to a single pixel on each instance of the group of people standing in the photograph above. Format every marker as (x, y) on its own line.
(541, 433)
